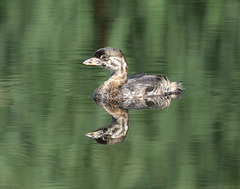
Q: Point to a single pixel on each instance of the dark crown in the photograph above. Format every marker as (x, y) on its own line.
(109, 51)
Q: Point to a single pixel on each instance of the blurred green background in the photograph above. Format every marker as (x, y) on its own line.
(45, 94)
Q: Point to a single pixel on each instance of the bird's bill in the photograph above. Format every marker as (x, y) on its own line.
(92, 62)
(94, 134)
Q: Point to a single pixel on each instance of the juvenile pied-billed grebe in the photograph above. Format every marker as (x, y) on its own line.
(119, 86)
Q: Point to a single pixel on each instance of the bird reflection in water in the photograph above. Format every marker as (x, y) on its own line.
(116, 131)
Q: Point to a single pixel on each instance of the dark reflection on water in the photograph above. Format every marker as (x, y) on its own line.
(116, 131)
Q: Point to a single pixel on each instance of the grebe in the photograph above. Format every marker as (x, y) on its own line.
(121, 86)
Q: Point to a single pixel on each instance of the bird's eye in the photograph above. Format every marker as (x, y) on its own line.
(103, 56)
(105, 130)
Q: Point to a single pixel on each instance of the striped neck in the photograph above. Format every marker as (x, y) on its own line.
(118, 72)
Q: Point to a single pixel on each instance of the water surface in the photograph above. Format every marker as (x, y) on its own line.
(46, 106)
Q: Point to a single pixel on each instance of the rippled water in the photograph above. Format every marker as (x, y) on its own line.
(46, 106)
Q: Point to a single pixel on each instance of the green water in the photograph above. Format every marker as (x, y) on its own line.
(46, 106)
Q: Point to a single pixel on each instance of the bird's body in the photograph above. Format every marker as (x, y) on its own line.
(121, 86)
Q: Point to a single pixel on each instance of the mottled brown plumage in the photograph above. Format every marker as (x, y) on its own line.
(119, 86)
